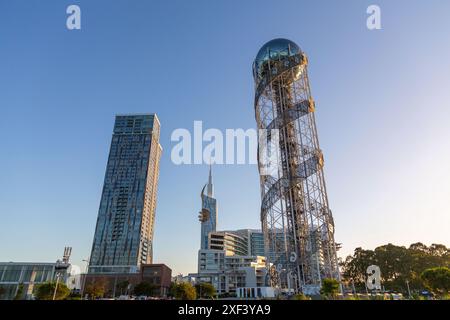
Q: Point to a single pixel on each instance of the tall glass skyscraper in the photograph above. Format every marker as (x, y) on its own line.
(124, 232)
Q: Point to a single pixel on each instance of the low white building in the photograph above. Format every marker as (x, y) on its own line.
(228, 273)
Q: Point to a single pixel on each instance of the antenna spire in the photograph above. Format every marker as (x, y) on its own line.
(210, 188)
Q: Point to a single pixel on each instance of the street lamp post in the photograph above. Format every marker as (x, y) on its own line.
(115, 285)
(84, 279)
(56, 286)
(409, 291)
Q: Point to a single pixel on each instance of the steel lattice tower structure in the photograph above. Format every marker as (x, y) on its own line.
(296, 220)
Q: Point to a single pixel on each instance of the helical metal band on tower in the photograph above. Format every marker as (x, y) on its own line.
(296, 220)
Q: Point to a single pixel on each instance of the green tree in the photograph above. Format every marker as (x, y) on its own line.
(96, 289)
(122, 286)
(330, 288)
(144, 289)
(73, 296)
(354, 267)
(398, 265)
(205, 290)
(183, 291)
(301, 296)
(437, 280)
(438, 250)
(46, 290)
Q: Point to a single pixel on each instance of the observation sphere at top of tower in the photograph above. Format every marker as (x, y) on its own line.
(273, 50)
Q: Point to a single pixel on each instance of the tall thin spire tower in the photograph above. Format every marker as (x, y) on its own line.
(208, 214)
(296, 220)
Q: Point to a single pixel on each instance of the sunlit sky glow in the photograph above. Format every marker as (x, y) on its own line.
(382, 102)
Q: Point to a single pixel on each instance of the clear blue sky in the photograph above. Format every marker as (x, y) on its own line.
(382, 110)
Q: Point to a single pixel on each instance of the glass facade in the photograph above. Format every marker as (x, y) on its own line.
(257, 243)
(124, 232)
(273, 50)
(240, 242)
(21, 278)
